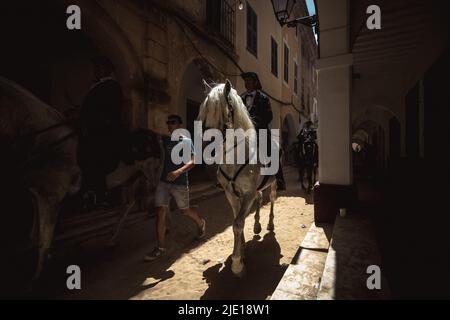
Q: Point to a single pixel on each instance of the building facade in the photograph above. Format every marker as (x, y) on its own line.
(161, 51)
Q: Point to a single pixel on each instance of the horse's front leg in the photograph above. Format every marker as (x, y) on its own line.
(257, 227)
(273, 198)
(237, 265)
(302, 175)
(309, 174)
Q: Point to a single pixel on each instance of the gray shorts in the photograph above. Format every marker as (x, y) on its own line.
(165, 190)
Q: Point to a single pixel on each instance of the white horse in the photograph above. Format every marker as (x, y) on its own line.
(224, 109)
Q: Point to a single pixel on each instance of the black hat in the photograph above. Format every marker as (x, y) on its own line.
(252, 75)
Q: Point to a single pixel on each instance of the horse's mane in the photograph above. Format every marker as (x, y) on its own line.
(27, 107)
(213, 111)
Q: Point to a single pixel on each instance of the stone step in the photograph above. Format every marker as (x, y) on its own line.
(302, 278)
(353, 249)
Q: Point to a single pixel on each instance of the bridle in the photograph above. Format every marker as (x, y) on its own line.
(230, 125)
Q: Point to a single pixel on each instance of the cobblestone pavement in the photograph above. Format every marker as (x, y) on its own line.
(191, 270)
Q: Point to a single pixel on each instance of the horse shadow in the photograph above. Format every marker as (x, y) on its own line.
(263, 273)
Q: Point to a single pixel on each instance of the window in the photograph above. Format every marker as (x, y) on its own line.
(295, 78)
(252, 31)
(286, 63)
(274, 59)
(213, 10)
(220, 20)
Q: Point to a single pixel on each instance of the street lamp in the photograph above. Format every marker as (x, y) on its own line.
(283, 10)
(240, 5)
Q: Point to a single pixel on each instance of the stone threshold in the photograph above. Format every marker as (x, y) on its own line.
(302, 279)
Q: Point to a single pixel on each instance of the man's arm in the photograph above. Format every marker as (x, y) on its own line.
(172, 176)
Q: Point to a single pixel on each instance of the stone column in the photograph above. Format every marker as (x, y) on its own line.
(335, 189)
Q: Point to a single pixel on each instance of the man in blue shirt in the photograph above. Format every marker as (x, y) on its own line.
(174, 183)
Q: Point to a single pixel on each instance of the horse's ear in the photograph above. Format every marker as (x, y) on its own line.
(227, 88)
(207, 87)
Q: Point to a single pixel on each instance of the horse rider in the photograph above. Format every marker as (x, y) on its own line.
(99, 124)
(307, 134)
(259, 108)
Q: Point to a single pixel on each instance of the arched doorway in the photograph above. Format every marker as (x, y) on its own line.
(191, 95)
(372, 156)
(53, 62)
(288, 138)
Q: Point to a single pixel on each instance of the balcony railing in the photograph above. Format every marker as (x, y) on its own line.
(220, 18)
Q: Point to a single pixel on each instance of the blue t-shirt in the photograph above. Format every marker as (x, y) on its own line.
(169, 166)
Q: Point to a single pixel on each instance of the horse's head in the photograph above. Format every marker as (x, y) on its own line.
(223, 108)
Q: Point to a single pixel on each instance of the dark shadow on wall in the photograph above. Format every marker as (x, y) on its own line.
(412, 221)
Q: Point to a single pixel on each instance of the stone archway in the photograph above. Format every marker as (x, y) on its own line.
(191, 94)
(375, 146)
(112, 41)
(54, 63)
(190, 97)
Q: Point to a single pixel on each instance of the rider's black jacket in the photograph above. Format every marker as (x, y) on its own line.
(261, 111)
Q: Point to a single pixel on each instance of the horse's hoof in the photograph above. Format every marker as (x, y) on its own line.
(241, 273)
(237, 267)
(257, 229)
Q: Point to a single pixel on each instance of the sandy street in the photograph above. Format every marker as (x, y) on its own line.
(191, 270)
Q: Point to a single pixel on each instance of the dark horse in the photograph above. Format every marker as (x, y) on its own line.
(38, 169)
(308, 160)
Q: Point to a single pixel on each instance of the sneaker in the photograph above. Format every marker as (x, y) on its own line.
(155, 254)
(202, 230)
